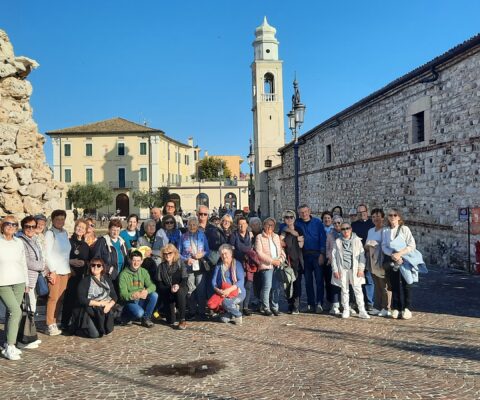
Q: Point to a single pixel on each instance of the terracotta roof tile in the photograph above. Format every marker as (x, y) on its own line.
(119, 125)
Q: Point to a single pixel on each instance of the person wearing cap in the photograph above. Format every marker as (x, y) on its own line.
(293, 240)
(348, 266)
(57, 255)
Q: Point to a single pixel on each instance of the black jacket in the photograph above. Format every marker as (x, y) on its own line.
(82, 291)
(109, 255)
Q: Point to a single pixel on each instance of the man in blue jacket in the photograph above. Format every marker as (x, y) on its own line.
(314, 250)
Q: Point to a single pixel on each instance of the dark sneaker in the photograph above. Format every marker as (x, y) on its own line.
(247, 312)
(147, 323)
(267, 313)
(276, 312)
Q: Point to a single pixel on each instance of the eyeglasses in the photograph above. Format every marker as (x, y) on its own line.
(202, 214)
(337, 223)
(346, 229)
(29, 226)
(169, 253)
(393, 215)
(96, 266)
(170, 206)
(12, 224)
(288, 217)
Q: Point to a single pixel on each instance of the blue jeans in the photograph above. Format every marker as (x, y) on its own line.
(248, 293)
(368, 289)
(270, 293)
(140, 308)
(197, 297)
(230, 307)
(333, 291)
(311, 267)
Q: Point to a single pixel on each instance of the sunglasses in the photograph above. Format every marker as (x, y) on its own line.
(346, 229)
(202, 214)
(288, 217)
(337, 223)
(169, 223)
(393, 215)
(167, 254)
(96, 266)
(12, 224)
(91, 225)
(30, 226)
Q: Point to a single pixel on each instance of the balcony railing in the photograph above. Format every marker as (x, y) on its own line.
(269, 97)
(120, 184)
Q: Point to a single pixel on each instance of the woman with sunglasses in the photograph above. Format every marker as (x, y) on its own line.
(33, 253)
(401, 290)
(348, 266)
(93, 317)
(13, 282)
(171, 281)
(293, 240)
(170, 228)
(333, 291)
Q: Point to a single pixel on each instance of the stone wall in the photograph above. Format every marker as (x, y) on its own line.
(26, 185)
(374, 160)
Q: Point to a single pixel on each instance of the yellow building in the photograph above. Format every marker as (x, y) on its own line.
(127, 157)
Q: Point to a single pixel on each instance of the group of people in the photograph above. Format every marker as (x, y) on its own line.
(227, 268)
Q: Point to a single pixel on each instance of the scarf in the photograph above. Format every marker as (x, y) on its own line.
(233, 272)
(347, 245)
(168, 270)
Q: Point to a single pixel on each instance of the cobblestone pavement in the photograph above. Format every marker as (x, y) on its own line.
(434, 355)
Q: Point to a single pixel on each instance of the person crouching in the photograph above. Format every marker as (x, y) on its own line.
(348, 265)
(137, 292)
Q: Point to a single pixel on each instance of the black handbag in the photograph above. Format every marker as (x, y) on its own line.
(27, 331)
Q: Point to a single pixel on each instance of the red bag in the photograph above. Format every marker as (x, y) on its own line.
(215, 302)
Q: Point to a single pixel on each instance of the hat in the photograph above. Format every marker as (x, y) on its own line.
(40, 217)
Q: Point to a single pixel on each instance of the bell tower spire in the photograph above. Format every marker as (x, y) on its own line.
(267, 107)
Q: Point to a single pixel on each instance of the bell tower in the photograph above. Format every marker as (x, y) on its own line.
(267, 107)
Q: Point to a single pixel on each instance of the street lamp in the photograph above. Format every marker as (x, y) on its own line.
(251, 189)
(295, 121)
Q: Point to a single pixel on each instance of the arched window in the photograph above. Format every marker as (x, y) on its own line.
(202, 200)
(230, 200)
(268, 87)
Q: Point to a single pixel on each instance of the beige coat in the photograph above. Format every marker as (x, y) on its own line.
(358, 261)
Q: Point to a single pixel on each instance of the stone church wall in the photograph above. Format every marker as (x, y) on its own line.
(373, 159)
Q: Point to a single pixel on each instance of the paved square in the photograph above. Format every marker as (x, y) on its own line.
(436, 355)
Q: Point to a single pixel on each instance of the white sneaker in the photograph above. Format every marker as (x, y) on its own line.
(334, 311)
(353, 312)
(32, 345)
(53, 330)
(238, 320)
(406, 314)
(15, 349)
(11, 353)
(384, 313)
(373, 311)
(395, 314)
(346, 313)
(363, 315)
(319, 309)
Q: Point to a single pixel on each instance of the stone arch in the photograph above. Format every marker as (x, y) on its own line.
(230, 200)
(202, 200)
(122, 203)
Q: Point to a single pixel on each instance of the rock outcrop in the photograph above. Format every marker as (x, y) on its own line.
(26, 181)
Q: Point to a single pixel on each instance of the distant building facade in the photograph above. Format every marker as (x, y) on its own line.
(127, 156)
(414, 144)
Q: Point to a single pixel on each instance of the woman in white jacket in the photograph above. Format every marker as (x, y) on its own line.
(348, 265)
(13, 279)
(57, 255)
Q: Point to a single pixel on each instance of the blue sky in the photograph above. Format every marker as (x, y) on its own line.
(184, 66)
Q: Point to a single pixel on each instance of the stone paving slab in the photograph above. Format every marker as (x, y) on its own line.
(436, 355)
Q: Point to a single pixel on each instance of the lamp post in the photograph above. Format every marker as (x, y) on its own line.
(295, 121)
(251, 188)
(220, 177)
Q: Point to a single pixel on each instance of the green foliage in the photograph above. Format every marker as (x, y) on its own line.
(90, 196)
(150, 199)
(209, 167)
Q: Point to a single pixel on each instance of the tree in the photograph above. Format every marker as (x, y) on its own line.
(209, 167)
(149, 199)
(90, 196)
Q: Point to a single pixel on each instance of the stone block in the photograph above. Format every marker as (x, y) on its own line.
(32, 206)
(17, 88)
(11, 202)
(24, 176)
(8, 180)
(37, 190)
